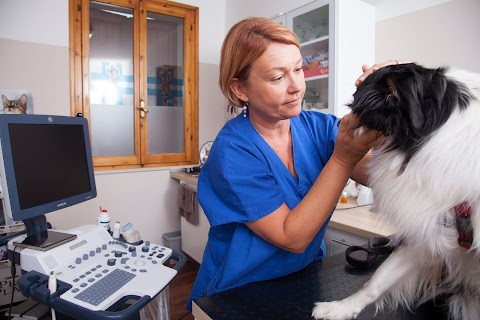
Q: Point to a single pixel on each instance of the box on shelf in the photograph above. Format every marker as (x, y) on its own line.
(315, 71)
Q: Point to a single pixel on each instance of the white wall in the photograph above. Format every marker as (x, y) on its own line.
(237, 10)
(387, 9)
(35, 57)
(445, 34)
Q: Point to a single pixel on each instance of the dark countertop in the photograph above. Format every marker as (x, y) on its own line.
(293, 296)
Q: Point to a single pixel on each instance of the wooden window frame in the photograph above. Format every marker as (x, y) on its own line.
(80, 83)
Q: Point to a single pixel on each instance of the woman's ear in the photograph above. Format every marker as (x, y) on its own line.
(238, 88)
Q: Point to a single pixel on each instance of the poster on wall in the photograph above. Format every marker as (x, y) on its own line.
(16, 101)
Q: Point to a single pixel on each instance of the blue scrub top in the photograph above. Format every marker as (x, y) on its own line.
(244, 180)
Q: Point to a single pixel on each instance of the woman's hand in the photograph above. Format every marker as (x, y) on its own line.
(353, 142)
(367, 70)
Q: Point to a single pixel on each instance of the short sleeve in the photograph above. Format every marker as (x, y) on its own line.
(237, 183)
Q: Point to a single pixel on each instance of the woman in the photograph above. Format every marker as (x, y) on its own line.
(274, 173)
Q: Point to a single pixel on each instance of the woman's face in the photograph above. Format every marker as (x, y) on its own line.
(276, 85)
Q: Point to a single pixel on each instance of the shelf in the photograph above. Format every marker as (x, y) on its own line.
(314, 41)
(311, 78)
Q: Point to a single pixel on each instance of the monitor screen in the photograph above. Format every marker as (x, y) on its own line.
(46, 164)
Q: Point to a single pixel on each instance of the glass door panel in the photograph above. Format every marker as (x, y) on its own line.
(312, 23)
(111, 80)
(165, 84)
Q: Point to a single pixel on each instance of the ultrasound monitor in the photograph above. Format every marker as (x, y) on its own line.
(45, 165)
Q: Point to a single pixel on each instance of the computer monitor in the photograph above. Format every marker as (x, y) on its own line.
(45, 165)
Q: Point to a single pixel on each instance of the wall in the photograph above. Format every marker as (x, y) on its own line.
(34, 56)
(241, 9)
(445, 34)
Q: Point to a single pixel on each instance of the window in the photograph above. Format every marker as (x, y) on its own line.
(134, 76)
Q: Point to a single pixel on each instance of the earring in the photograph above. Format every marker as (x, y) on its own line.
(245, 105)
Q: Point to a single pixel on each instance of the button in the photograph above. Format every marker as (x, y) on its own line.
(139, 263)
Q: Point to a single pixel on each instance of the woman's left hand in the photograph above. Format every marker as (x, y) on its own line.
(367, 70)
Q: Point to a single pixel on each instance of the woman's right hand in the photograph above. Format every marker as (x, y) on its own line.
(353, 142)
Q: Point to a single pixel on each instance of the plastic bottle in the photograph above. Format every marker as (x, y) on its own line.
(130, 235)
(104, 219)
(343, 197)
(116, 230)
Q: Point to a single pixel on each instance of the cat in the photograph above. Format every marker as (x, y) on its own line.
(15, 106)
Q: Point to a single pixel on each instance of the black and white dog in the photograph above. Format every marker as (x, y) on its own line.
(426, 183)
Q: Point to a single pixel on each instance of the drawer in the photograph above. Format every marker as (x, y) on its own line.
(338, 241)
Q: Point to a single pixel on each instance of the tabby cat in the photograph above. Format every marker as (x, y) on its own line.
(15, 106)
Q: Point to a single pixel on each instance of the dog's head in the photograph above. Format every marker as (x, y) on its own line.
(408, 103)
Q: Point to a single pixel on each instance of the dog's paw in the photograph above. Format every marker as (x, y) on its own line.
(335, 310)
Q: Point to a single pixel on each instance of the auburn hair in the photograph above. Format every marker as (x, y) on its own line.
(246, 41)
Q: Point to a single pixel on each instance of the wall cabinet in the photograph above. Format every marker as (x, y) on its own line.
(337, 38)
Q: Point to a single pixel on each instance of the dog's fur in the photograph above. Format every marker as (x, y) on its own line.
(428, 165)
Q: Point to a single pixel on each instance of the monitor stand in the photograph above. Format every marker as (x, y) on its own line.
(40, 238)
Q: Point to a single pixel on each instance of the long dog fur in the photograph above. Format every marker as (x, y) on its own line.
(428, 165)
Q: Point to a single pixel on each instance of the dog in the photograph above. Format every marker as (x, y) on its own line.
(426, 182)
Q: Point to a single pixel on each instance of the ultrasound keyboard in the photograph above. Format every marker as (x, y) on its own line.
(100, 270)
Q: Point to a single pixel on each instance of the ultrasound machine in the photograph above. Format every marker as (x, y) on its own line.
(83, 273)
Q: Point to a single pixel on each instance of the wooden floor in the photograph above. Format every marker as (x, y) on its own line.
(179, 289)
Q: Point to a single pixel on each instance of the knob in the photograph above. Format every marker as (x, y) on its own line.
(111, 262)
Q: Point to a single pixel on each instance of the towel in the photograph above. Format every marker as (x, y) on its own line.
(187, 203)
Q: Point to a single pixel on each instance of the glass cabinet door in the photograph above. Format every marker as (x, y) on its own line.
(313, 24)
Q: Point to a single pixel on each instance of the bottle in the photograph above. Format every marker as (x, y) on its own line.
(343, 197)
(130, 235)
(104, 219)
(116, 230)
(365, 196)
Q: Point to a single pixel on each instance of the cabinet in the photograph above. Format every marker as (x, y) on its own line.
(338, 241)
(337, 38)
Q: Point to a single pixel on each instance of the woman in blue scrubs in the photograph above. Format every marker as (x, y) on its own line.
(275, 172)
